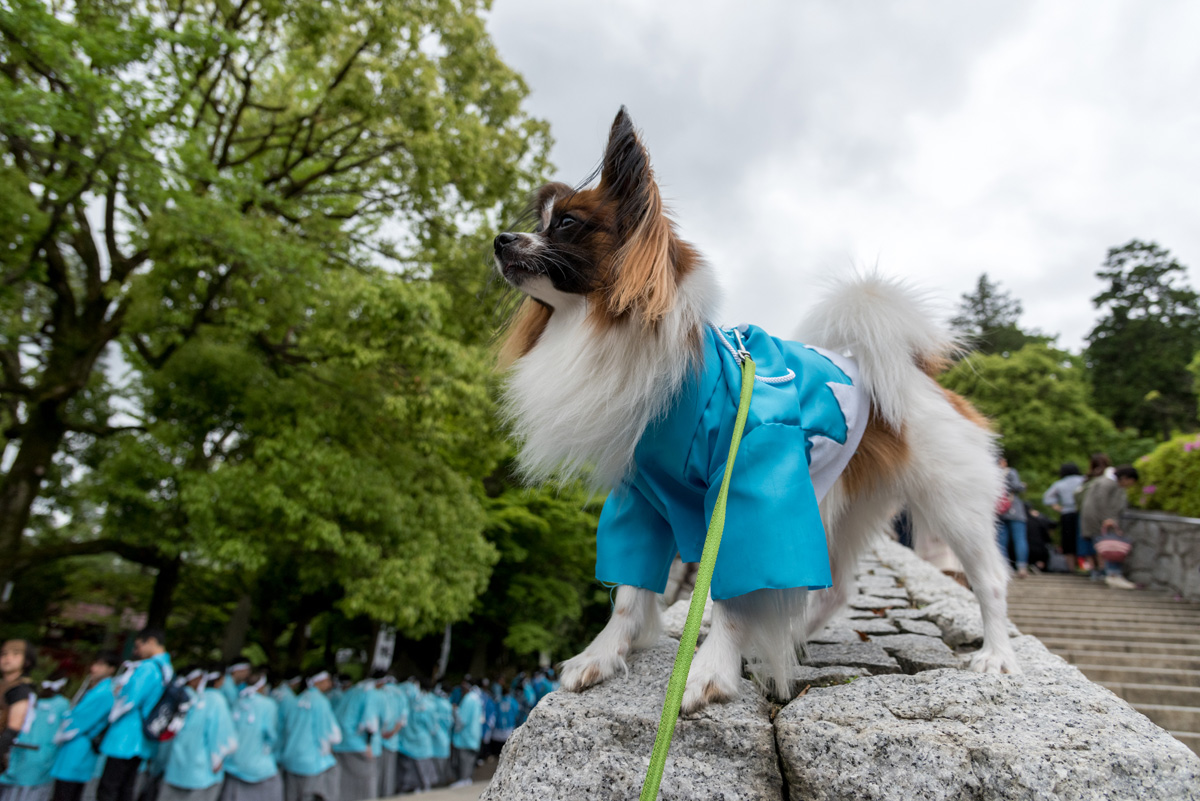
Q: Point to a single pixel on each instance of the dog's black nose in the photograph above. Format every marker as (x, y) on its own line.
(506, 238)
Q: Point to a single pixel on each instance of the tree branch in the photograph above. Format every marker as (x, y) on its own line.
(142, 554)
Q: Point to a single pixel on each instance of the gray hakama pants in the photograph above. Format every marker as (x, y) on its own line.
(169, 792)
(15, 792)
(267, 790)
(359, 779)
(321, 787)
(387, 773)
(407, 776)
(464, 763)
(427, 769)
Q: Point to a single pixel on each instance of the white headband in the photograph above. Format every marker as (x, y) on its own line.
(239, 666)
(55, 685)
(251, 689)
(195, 674)
(213, 676)
(319, 677)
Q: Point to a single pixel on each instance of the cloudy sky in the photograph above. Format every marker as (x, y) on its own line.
(937, 140)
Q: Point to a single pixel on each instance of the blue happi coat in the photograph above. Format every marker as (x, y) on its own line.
(468, 723)
(416, 738)
(256, 725)
(395, 705)
(141, 685)
(76, 760)
(358, 714)
(443, 725)
(199, 750)
(30, 767)
(310, 731)
(802, 429)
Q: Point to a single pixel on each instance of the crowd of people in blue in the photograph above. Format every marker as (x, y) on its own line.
(142, 730)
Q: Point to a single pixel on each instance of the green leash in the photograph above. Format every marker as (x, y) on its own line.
(691, 629)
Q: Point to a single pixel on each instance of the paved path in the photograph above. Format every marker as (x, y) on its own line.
(1141, 644)
(483, 776)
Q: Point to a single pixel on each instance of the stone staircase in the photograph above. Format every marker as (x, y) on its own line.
(1141, 644)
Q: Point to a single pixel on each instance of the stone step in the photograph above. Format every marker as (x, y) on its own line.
(1116, 646)
(1163, 694)
(1070, 617)
(1102, 673)
(1171, 718)
(1100, 633)
(1130, 660)
(1159, 627)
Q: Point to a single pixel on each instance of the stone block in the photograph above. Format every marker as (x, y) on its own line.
(596, 744)
(865, 655)
(952, 734)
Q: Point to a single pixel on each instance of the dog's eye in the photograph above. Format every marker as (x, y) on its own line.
(566, 221)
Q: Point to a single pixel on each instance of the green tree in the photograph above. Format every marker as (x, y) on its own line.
(1148, 333)
(214, 183)
(1038, 400)
(987, 319)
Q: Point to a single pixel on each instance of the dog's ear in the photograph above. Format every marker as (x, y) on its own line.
(625, 172)
(644, 277)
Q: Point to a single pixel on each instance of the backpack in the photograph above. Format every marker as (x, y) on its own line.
(166, 718)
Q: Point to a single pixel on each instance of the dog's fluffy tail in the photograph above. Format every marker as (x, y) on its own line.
(889, 328)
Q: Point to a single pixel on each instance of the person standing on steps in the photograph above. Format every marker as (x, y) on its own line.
(1010, 522)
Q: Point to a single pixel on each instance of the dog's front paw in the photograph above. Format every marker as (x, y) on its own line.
(590, 668)
(989, 659)
(703, 690)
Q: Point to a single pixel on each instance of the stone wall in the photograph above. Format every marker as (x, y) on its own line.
(884, 710)
(1166, 552)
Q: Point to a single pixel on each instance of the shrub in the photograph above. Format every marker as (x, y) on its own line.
(1170, 476)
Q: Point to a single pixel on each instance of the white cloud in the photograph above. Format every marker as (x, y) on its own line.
(937, 139)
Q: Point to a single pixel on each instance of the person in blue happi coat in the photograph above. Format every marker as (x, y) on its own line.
(468, 733)
(139, 687)
(412, 742)
(28, 775)
(305, 754)
(234, 682)
(195, 767)
(395, 715)
(359, 714)
(75, 764)
(443, 733)
(251, 772)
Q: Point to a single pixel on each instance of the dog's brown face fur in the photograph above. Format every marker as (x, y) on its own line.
(612, 244)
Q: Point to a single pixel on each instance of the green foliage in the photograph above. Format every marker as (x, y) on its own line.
(1139, 351)
(1039, 402)
(1170, 476)
(542, 592)
(238, 209)
(987, 319)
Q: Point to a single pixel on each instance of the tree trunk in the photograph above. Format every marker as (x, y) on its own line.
(40, 440)
(236, 630)
(162, 599)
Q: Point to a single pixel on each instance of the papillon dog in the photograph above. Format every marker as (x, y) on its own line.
(615, 374)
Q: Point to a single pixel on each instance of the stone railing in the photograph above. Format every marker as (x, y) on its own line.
(885, 710)
(1166, 552)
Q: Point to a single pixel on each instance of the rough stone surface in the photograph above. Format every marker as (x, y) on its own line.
(596, 744)
(876, 602)
(919, 627)
(859, 729)
(866, 655)
(951, 734)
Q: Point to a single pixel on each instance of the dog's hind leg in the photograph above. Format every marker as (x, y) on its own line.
(952, 492)
(759, 626)
(635, 623)
(850, 526)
